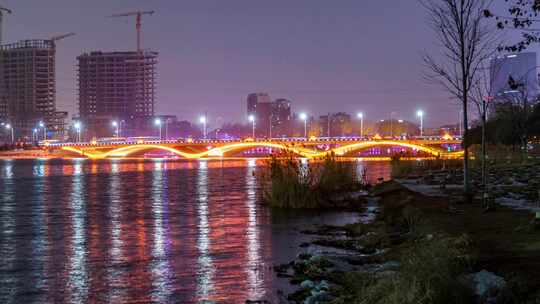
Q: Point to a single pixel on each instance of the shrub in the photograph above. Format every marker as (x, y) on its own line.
(288, 183)
(428, 275)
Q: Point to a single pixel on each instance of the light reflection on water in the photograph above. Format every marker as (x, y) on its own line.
(143, 231)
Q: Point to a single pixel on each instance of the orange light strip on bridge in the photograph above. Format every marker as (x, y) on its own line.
(125, 151)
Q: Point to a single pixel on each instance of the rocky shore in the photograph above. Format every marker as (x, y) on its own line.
(417, 248)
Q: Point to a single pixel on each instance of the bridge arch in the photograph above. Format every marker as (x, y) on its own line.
(214, 152)
(370, 144)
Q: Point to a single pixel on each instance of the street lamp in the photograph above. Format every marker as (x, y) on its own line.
(34, 134)
(9, 127)
(420, 114)
(303, 116)
(202, 120)
(252, 119)
(157, 122)
(361, 116)
(42, 125)
(167, 128)
(116, 124)
(77, 126)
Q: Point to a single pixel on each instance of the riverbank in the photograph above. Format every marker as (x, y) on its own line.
(24, 154)
(422, 249)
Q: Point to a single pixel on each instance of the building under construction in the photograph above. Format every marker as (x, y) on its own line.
(28, 86)
(116, 86)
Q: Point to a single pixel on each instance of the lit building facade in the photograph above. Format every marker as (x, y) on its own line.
(272, 118)
(281, 118)
(28, 87)
(335, 124)
(117, 86)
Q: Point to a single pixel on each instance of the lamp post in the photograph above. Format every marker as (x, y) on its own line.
(420, 114)
(167, 129)
(270, 129)
(157, 122)
(9, 127)
(116, 124)
(77, 126)
(252, 119)
(203, 120)
(34, 134)
(42, 125)
(361, 116)
(303, 116)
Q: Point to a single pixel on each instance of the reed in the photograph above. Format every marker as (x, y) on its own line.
(289, 183)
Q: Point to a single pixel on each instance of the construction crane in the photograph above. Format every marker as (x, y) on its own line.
(138, 24)
(60, 37)
(2, 10)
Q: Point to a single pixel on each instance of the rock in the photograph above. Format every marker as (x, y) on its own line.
(486, 285)
(391, 264)
(317, 297)
(307, 284)
(323, 285)
(315, 258)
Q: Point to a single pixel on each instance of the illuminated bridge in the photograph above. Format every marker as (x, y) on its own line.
(307, 148)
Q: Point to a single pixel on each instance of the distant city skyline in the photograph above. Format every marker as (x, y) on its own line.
(322, 57)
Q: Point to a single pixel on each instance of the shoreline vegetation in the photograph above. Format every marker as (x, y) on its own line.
(329, 182)
(421, 246)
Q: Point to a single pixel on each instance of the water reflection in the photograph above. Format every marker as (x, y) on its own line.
(78, 276)
(161, 271)
(205, 271)
(139, 231)
(253, 265)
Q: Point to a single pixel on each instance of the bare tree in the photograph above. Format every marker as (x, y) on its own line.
(466, 42)
(482, 94)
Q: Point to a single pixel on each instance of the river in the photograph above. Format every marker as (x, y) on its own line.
(145, 231)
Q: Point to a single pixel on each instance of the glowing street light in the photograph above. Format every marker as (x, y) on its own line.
(78, 126)
(303, 116)
(42, 125)
(9, 127)
(361, 116)
(252, 119)
(116, 124)
(157, 122)
(34, 134)
(203, 120)
(420, 114)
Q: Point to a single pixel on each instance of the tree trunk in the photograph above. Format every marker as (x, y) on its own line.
(465, 88)
(484, 152)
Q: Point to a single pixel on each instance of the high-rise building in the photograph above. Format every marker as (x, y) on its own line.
(254, 100)
(281, 118)
(521, 68)
(28, 86)
(272, 118)
(335, 124)
(117, 86)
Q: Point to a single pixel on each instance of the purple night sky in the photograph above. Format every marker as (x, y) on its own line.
(345, 55)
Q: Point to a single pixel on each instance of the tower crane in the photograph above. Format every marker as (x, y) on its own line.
(138, 23)
(2, 10)
(60, 37)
